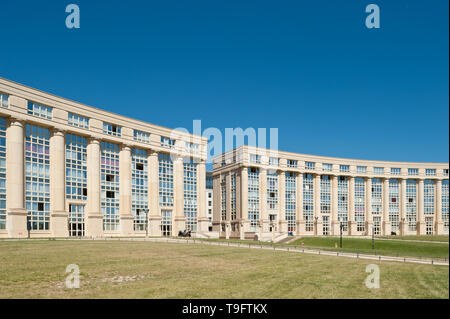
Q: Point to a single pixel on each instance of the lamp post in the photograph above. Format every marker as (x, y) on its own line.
(273, 230)
(146, 222)
(341, 226)
(373, 237)
(316, 226)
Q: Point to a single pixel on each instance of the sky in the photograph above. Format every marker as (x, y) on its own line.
(312, 69)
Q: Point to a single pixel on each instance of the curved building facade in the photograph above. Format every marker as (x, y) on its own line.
(68, 169)
(272, 194)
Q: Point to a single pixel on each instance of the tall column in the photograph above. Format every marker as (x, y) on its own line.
(334, 206)
(126, 217)
(202, 219)
(245, 223)
(351, 206)
(282, 222)
(439, 226)
(386, 221)
(299, 205)
(369, 218)
(317, 215)
(263, 211)
(94, 226)
(403, 199)
(58, 215)
(420, 208)
(178, 181)
(16, 222)
(154, 214)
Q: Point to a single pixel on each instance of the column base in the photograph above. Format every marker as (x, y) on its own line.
(300, 230)
(126, 225)
(283, 226)
(16, 223)
(439, 228)
(59, 223)
(335, 228)
(179, 224)
(421, 230)
(94, 225)
(154, 227)
(387, 228)
(352, 228)
(203, 224)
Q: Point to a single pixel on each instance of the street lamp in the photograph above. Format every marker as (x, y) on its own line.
(341, 226)
(373, 237)
(317, 231)
(146, 221)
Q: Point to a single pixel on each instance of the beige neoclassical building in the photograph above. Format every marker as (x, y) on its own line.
(272, 194)
(68, 169)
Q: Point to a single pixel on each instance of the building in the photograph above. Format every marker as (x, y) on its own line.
(68, 169)
(270, 194)
(209, 200)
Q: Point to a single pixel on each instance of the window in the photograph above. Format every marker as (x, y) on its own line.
(396, 171)
(310, 165)
(445, 205)
(292, 163)
(4, 100)
(112, 129)
(411, 207)
(274, 161)
(325, 194)
(37, 176)
(141, 136)
(378, 170)
(2, 173)
(167, 142)
(361, 169)
(190, 194)
(428, 197)
(223, 198)
(39, 110)
(413, 171)
(76, 167)
(253, 198)
(166, 223)
(377, 193)
(394, 208)
(344, 168)
(327, 167)
(308, 202)
(78, 121)
(253, 158)
(445, 171)
(343, 201)
(360, 204)
(233, 196)
(272, 190)
(139, 188)
(430, 172)
(290, 201)
(165, 180)
(109, 169)
(192, 148)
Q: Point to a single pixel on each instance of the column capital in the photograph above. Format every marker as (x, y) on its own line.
(125, 147)
(14, 121)
(93, 140)
(56, 131)
(152, 152)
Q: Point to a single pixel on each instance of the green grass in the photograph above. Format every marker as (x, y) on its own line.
(113, 269)
(441, 238)
(382, 247)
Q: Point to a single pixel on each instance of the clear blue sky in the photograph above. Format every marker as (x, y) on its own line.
(310, 68)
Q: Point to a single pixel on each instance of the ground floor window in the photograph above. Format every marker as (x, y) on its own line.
(377, 225)
(76, 220)
(166, 223)
(429, 225)
(325, 225)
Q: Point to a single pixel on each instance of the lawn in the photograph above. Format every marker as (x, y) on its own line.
(382, 247)
(441, 238)
(113, 269)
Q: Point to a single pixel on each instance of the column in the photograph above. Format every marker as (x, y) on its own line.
(245, 223)
(202, 219)
(420, 208)
(154, 214)
(403, 199)
(58, 215)
(263, 211)
(178, 181)
(334, 206)
(439, 225)
(228, 204)
(299, 205)
(282, 222)
(386, 222)
(351, 206)
(369, 219)
(126, 217)
(94, 217)
(16, 222)
(317, 215)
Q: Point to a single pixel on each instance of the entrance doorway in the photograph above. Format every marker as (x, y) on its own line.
(76, 220)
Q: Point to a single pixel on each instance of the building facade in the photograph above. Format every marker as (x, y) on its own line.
(68, 169)
(270, 194)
